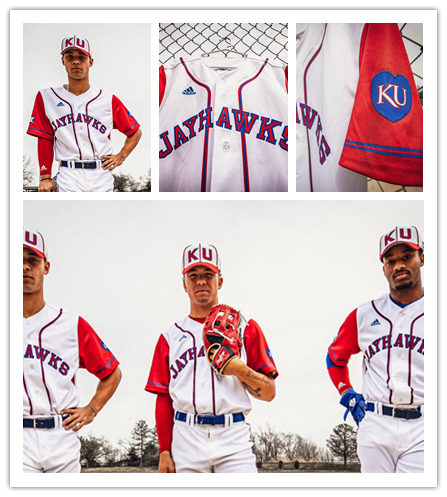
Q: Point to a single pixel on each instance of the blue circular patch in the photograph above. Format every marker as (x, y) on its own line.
(104, 346)
(391, 95)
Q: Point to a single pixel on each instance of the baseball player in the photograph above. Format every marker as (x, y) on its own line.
(389, 332)
(73, 123)
(358, 113)
(56, 343)
(200, 415)
(223, 125)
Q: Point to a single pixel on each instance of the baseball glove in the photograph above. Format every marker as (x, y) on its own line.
(222, 336)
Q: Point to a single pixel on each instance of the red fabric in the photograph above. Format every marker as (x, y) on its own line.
(258, 353)
(164, 421)
(287, 78)
(159, 375)
(161, 84)
(375, 146)
(93, 353)
(340, 378)
(122, 118)
(39, 124)
(346, 342)
(45, 154)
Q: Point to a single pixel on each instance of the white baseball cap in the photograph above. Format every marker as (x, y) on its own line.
(408, 235)
(200, 255)
(74, 41)
(34, 241)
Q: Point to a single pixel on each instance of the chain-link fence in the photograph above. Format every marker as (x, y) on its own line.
(191, 39)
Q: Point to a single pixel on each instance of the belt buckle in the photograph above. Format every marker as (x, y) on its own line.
(38, 423)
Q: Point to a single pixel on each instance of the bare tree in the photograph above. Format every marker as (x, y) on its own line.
(141, 440)
(343, 442)
(292, 445)
(268, 444)
(308, 450)
(91, 450)
(29, 172)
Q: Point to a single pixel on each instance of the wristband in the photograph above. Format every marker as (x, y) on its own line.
(119, 153)
(93, 409)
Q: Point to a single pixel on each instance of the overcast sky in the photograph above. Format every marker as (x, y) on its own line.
(121, 61)
(297, 267)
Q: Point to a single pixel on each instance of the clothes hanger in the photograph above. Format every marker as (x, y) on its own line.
(228, 49)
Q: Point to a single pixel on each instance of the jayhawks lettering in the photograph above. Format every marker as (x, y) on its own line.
(267, 129)
(80, 118)
(48, 357)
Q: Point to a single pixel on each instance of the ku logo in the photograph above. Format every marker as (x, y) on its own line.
(200, 254)
(28, 239)
(404, 234)
(391, 95)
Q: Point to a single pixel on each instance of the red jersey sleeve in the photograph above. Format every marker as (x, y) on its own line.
(259, 357)
(159, 376)
(39, 125)
(384, 139)
(93, 353)
(164, 421)
(161, 84)
(45, 155)
(123, 120)
(346, 342)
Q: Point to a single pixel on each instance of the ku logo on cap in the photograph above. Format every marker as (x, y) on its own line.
(192, 255)
(28, 239)
(391, 95)
(403, 234)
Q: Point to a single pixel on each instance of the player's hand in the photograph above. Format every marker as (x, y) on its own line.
(166, 464)
(46, 185)
(112, 161)
(79, 417)
(355, 404)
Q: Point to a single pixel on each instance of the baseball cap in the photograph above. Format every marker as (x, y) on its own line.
(408, 235)
(34, 240)
(200, 255)
(74, 41)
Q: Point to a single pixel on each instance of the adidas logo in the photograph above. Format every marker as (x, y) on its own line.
(60, 104)
(376, 322)
(43, 168)
(189, 91)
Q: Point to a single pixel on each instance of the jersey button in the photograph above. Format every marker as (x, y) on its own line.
(226, 146)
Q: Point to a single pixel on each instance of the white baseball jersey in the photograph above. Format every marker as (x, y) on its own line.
(56, 344)
(80, 125)
(180, 368)
(391, 339)
(223, 125)
(357, 107)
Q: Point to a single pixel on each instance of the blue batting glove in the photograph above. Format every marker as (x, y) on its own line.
(355, 404)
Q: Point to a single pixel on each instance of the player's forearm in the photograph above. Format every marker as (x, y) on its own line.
(130, 143)
(105, 389)
(257, 384)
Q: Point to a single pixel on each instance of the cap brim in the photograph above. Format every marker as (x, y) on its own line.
(37, 252)
(76, 48)
(213, 268)
(414, 246)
